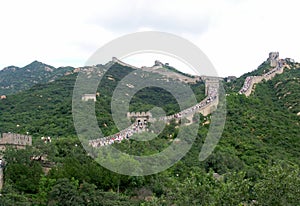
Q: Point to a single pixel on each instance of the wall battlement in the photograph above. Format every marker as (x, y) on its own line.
(18, 140)
(138, 114)
(87, 97)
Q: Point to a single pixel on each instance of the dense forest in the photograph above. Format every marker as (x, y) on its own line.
(255, 163)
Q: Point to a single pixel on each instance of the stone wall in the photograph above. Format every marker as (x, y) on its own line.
(116, 60)
(87, 97)
(258, 79)
(1, 178)
(138, 114)
(209, 108)
(211, 82)
(255, 80)
(279, 64)
(159, 69)
(15, 139)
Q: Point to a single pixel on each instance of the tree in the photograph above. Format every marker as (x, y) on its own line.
(10, 196)
(45, 186)
(23, 172)
(64, 192)
(280, 185)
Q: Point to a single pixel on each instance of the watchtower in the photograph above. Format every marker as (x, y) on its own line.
(87, 97)
(140, 117)
(211, 83)
(273, 58)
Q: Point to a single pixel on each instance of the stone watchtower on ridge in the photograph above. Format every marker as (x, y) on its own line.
(140, 117)
(87, 97)
(211, 83)
(273, 58)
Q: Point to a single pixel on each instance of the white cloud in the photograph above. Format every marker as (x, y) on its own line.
(161, 15)
(235, 35)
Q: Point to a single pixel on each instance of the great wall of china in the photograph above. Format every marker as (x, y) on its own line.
(205, 107)
(159, 68)
(18, 141)
(278, 66)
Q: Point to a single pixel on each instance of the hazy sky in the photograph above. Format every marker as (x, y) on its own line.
(236, 35)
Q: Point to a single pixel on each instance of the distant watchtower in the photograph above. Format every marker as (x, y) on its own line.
(140, 117)
(273, 58)
(211, 83)
(87, 97)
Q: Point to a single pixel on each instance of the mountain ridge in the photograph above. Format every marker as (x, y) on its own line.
(16, 79)
(283, 95)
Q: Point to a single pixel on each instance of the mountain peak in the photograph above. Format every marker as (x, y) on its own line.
(36, 63)
(10, 68)
(14, 79)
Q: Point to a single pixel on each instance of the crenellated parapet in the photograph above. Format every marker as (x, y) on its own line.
(17, 140)
(87, 97)
(139, 114)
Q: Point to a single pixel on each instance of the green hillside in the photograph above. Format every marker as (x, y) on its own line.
(255, 163)
(14, 79)
(46, 109)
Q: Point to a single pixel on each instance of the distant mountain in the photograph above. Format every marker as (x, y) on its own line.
(15, 79)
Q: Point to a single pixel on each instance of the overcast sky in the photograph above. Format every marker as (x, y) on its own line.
(236, 35)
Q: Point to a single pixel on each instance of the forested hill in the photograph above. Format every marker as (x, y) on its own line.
(15, 79)
(256, 161)
(45, 109)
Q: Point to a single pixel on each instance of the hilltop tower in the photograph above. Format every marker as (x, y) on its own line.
(87, 97)
(273, 58)
(142, 117)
